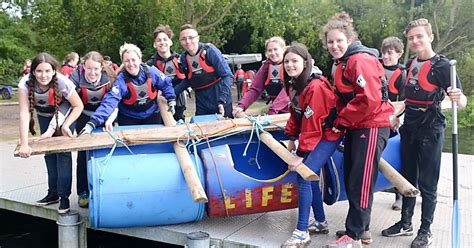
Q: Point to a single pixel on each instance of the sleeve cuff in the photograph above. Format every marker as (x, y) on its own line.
(341, 128)
(93, 123)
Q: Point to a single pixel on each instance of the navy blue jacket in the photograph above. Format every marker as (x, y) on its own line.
(220, 93)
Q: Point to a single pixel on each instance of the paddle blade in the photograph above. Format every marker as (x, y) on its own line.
(455, 228)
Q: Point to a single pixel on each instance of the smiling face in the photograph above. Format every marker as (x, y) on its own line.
(44, 73)
(390, 57)
(92, 70)
(131, 62)
(162, 43)
(419, 40)
(294, 64)
(189, 40)
(275, 52)
(337, 43)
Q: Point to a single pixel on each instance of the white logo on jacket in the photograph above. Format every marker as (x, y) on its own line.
(115, 90)
(308, 112)
(361, 81)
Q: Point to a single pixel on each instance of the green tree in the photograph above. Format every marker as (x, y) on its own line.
(16, 42)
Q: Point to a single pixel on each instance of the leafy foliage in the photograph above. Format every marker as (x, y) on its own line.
(58, 27)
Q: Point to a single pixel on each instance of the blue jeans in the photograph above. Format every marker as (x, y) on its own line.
(59, 166)
(309, 193)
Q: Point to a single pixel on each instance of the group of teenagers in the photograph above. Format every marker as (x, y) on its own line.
(354, 108)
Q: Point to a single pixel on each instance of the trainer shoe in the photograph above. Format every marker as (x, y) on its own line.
(298, 239)
(63, 205)
(83, 200)
(318, 227)
(422, 240)
(345, 242)
(398, 229)
(50, 198)
(397, 205)
(365, 238)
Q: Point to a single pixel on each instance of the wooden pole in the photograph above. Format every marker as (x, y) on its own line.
(187, 166)
(286, 156)
(403, 186)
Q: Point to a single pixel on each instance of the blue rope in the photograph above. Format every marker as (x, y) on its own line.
(257, 127)
(105, 162)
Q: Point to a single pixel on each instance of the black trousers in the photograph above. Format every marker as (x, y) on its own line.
(362, 151)
(81, 167)
(421, 155)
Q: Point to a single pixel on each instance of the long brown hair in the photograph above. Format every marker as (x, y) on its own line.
(31, 83)
(300, 82)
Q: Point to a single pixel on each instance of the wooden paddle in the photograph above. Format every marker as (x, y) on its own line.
(286, 156)
(403, 186)
(187, 166)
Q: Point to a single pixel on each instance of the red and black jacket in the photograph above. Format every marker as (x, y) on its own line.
(312, 114)
(360, 83)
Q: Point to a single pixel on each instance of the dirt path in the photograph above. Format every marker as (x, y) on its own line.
(10, 119)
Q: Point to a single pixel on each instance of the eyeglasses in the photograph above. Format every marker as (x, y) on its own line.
(183, 39)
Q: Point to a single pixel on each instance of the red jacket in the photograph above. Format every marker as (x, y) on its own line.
(361, 78)
(67, 70)
(240, 73)
(316, 102)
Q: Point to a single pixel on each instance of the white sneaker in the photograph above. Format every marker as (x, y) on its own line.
(318, 227)
(297, 239)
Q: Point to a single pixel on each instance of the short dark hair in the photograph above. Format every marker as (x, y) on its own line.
(392, 42)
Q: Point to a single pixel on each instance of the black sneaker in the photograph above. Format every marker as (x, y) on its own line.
(63, 205)
(398, 229)
(83, 200)
(422, 240)
(49, 199)
(365, 238)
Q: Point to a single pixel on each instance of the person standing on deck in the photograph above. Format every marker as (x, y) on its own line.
(363, 113)
(313, 109)
(167, 61)
(392, 51)
(270, 78)
(92, 79)
(134, 92)
(57, 105)
(422, 134)
(207, 74)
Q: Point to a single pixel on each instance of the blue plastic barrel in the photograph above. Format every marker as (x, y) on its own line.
(146, 188)
(333, 172)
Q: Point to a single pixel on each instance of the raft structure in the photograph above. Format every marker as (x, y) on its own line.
(248, 196)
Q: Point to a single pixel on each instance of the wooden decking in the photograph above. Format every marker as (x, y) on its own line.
(23, 181)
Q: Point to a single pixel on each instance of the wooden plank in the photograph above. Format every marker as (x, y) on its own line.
(149, 135)
(286, 156)
(187, 167)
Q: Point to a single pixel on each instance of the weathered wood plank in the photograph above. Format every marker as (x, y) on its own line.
(149, 135)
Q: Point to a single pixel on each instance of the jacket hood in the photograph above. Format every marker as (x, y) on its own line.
(357, 47)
